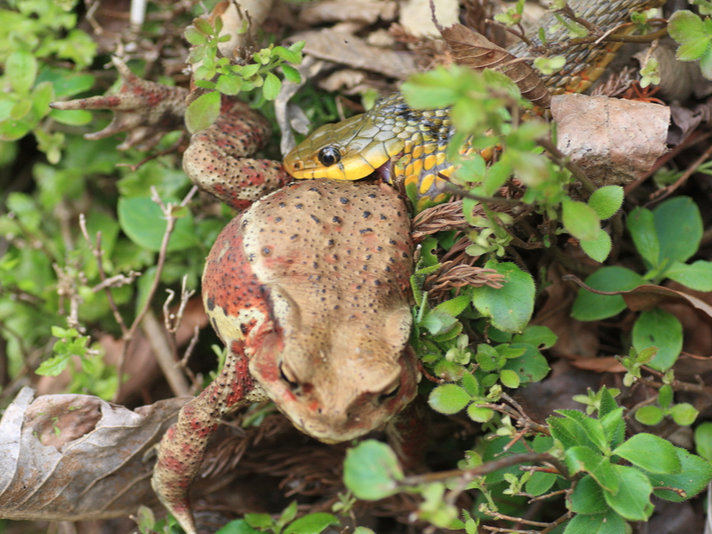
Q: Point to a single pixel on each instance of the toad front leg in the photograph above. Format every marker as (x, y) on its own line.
(218, 159)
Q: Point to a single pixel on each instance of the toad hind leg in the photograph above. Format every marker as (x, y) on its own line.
(183, 447)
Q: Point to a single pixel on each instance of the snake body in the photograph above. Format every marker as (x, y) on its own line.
(408, 144)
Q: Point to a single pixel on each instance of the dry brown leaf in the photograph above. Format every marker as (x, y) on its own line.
(576, 339)
(77, 457)
(347, 49)
(475, 51)
(361, 11)
(614, 141)
(416, 16)
(647, 296)
(603, 364)
(254, 11)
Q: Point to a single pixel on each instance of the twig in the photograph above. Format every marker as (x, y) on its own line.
(162, 253)
(172, 320)
(563, 160)
(664, 193)
(98, 253)
(489, 467)
(157, 338)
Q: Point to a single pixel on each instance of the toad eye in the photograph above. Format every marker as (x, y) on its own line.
(329, 156)
(286, 376)
(391, 392)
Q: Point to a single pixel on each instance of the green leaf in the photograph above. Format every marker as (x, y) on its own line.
(685, 26)
(613, 426)
(692, 478)
(65, 82)
(593, 307)
(606, 201)
(239, 526)
(454, 307)
(259, 520)
(591, 427)
(72, 117)
(632, 500)
(429, 90)
(587, 498)
(311, 524)
(229, 85)
(658, 328)
(598, 249)
(146, 519)
(479, 414)
(665, 396)
(684, 414)
(531, 366)
(697, 276)
(649, 415)
(53, 366)
(194, 36)
(608, 401)
(271, 86)
(607, 523)
(674, 218)
(448, 398)
(703, 440)
(21, 71)
(291, 74)
(540, 483)
(566, 431)
(202, 112)
(371, 470)
(649, 452)
(21, 108)
(583, 459)
(509, 378)
(142, 220)
(580, 220)
(540, 336)
(12, 130)
(292, 56)
(693, 50)
(510, 307)
(641, 226)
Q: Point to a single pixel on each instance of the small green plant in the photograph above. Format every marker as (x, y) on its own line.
(220, 75)
(36, 32)
(284, 524)
(694, 35)
(607, 479)
(656, 235)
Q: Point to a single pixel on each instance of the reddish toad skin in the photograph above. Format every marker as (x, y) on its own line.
(308, 288)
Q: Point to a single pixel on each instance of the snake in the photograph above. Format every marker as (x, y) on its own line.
(417, 139)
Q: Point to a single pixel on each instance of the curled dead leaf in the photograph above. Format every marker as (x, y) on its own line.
(77, 457)
(470, 49)
(614, 141)
(648, 295)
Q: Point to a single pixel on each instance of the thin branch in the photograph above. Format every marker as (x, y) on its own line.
(98, 254)
(162, 253)
(489, 467)
(564, 161)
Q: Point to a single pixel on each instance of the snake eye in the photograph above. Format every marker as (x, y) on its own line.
(329, 156)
